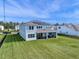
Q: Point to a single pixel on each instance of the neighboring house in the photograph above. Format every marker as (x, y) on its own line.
(1, 27)
(17, 27)
(69, 29)
(35, 30)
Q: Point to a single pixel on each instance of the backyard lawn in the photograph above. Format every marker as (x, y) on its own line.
(1, 36)
(62, 47)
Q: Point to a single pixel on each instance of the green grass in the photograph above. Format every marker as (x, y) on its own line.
(1, 36)
(61, 47)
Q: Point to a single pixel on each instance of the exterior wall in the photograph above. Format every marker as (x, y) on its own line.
(24, 31)
(1, 27)
(67, 31)
(17, 27)
(30, 32)
(28, 39)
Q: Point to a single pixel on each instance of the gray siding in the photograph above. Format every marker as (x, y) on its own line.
(24, 31)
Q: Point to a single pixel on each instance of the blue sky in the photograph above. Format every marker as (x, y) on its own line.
(53, 11)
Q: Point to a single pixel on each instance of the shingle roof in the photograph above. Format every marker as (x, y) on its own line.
(35, 23)
(72, 26)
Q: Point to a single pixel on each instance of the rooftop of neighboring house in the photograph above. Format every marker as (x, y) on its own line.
(35, 23)
(72, 26)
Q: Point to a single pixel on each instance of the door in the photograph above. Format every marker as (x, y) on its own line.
(41, 35)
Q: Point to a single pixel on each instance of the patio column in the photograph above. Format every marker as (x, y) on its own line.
(56, 34)
(47, 35)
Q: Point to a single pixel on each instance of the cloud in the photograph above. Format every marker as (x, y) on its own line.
(41, 9)
(14, 8)
(55, 6)
(75, 14)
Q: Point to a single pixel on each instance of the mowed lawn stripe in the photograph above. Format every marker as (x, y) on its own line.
(7, 49)
(31, 51)
(62, 47)
(17, 50)
(21, 54)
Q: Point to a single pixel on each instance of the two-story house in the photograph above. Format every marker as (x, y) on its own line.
(35, 30)
(69, 29)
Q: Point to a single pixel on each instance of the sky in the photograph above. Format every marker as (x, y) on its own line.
(52, 11)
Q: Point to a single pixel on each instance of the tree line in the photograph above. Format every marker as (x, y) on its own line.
(9, 25)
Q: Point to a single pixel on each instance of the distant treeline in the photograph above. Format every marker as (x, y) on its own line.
(9, 25)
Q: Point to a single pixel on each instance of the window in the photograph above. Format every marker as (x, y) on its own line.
(39, 27)
(31, 27)
(31, 35)
(59, 27)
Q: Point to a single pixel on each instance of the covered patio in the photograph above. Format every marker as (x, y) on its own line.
(46, 35)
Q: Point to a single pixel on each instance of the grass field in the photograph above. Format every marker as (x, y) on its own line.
(1, 36)
(61, 47)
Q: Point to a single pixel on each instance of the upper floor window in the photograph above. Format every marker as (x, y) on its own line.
(31, 27)
(39, 27)
(59, 27)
